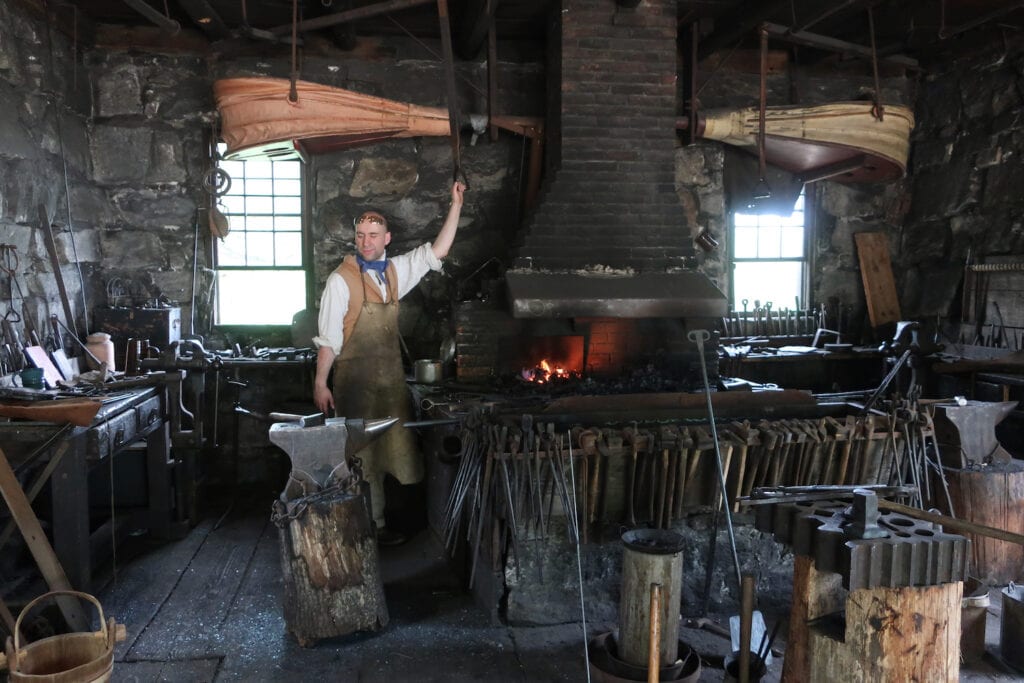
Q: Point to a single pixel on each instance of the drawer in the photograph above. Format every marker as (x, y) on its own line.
(112, 435)
(150, 412)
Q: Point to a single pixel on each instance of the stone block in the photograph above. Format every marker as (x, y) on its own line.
(149, 208)
(120, 154)
(168, 163)
(84, 243)
(175, 283)
(120, 247)
(376, 177)
(118, 91)
(15, 138)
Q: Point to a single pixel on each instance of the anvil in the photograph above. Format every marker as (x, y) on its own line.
(320, 453)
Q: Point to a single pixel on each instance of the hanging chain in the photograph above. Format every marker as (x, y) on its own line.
(283, 513)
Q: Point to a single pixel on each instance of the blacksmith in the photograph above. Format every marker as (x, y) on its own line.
(358, 337)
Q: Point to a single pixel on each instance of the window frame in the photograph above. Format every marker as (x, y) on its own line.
(806, 261)
(305, 253)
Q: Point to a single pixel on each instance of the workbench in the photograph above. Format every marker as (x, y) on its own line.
(819, 371)
(134, 418)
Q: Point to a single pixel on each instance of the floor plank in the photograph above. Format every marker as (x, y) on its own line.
(138, 589)
(188, 623)
(192, 670)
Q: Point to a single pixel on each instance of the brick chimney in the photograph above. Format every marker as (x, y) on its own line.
(609, 205)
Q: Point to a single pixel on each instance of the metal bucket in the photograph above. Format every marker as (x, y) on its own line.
(1011, 627)
(973, 615)
(66, 658)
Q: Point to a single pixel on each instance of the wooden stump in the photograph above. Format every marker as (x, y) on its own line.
(329, 559)
(993, 497)
(890, 634)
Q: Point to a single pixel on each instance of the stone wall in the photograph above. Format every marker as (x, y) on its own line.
(44, 149)
(967, 171)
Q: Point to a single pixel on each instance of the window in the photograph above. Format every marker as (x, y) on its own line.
(261, 278)
(769, 258)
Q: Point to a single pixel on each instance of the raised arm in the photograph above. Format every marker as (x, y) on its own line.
(446, 236)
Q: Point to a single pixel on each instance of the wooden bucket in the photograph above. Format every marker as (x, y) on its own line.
(66, 658)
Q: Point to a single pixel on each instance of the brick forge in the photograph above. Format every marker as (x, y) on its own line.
(492, 345)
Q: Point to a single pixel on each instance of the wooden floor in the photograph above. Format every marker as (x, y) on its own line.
(207, 608)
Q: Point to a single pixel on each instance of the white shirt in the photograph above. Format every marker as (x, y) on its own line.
(409, 268)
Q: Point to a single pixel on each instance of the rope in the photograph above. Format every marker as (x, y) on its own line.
(878, 111)
(293, 93)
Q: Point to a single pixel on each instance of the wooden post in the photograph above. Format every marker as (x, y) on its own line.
(993, 498)
(890, 634)
(330, 566)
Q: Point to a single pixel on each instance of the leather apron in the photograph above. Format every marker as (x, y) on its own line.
(369, 382)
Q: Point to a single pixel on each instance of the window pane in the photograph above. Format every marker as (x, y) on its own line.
(778, 281)
(768, 239)
(232, 204)
(260, 187)
(287, 169)
(258, 168)
(792, 242)
(260, 248)
(231, 252)
(259, 204)
(260, 297)
(795, 219)
(746, 242)
(288, 223)
(288, 250)
(235, 169)
(746, 219)
(287, 187)
(288, 205)
(260, 224)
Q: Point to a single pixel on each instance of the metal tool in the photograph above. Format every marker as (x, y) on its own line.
(699, 337)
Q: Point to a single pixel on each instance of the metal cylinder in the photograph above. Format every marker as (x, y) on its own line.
(1011, 626)
(651, 556)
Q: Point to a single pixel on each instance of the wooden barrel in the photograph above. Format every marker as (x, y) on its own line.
(993, 496)
(651, 556)
(330, 566)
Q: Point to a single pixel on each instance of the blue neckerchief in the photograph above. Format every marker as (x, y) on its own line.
(379, 266)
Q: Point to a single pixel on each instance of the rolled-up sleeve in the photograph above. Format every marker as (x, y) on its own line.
(413, 265)
(333, 307)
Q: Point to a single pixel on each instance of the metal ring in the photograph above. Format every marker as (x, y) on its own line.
(217, 181)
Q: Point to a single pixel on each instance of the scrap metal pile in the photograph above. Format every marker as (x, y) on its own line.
(512, 471)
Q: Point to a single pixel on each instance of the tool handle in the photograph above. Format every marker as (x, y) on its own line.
(699, 336)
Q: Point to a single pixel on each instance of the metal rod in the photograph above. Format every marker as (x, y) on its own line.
(579, 561)
(699, 337)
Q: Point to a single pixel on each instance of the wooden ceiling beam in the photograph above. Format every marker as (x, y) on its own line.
(351, 15)
(807, 39)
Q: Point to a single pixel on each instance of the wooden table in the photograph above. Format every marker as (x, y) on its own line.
(125, 419)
